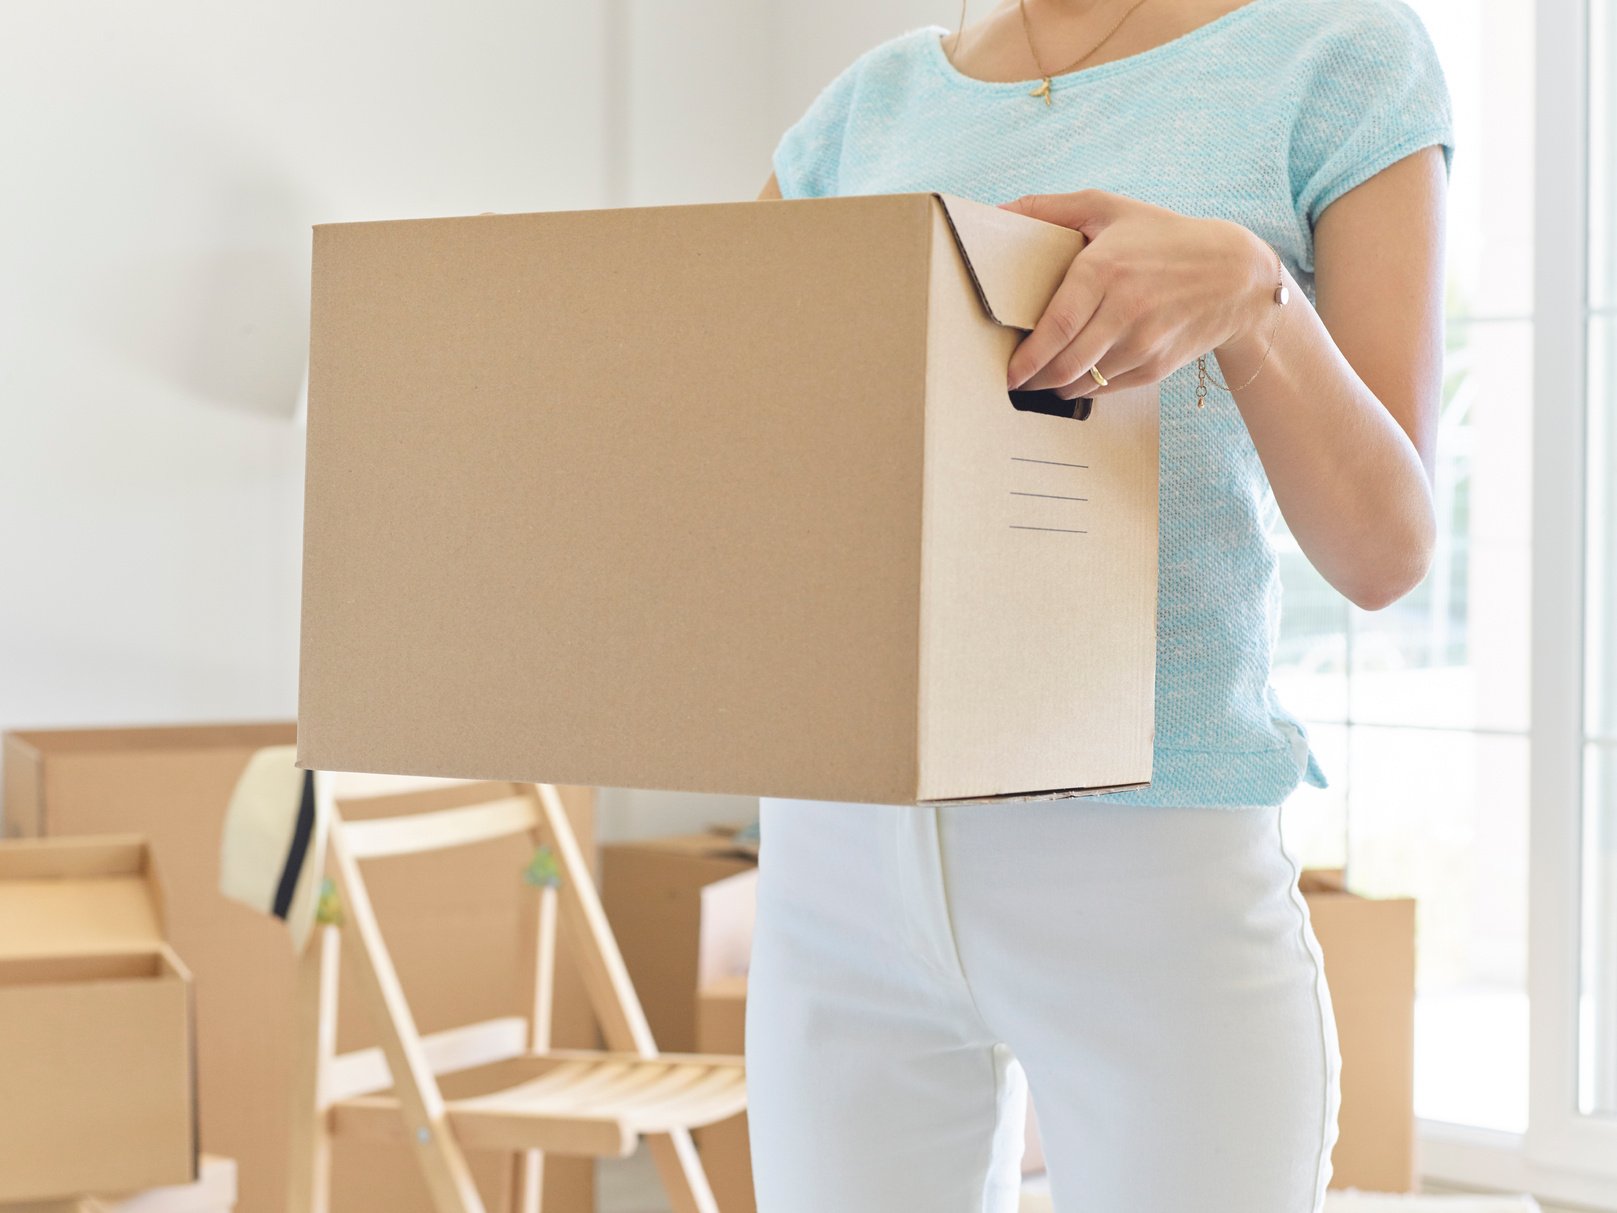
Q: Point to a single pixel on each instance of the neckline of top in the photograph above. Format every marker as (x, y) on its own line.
(931, 35)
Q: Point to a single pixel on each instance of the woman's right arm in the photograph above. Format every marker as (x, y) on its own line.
(771, 189)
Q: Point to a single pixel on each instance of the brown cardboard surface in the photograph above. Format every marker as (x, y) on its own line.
(75, 895)
(721, 1021)
(652, 891)
(171, 784)
(567, 518)
(1369, 949)
(1039, 567)
(96, 1024)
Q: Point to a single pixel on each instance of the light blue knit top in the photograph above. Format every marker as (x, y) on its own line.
(1264, 116)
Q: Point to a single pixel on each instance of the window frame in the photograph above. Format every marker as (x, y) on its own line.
(1564, 1155)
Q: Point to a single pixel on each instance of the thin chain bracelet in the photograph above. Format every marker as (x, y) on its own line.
(1281, 296)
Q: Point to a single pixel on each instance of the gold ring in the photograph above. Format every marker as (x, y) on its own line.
(1094, 373)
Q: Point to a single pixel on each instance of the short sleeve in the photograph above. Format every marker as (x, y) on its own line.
(1375, 94)
(808, 154)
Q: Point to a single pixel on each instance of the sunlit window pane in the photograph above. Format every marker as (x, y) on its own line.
(1314, 820)
(1597, 1006)
(1603, 155)
(1487, 56)
(1600, 533)
(1442, 816)
(1454, 651)
(1311, 656)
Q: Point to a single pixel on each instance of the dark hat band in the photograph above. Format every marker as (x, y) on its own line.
(298, 852)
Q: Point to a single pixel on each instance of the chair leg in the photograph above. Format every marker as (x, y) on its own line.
(612, 995)
(681, 1170)
(529, 1189)
(530, 1181)
(443, 1165)
(309, 1169)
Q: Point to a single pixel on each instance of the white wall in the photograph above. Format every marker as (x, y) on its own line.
(162, 167)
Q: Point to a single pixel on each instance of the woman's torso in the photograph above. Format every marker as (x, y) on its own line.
(1209, 124)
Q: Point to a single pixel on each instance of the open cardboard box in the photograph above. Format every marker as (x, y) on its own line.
(170, 784)
(724, 498)
(97, 1038)
(682, 910)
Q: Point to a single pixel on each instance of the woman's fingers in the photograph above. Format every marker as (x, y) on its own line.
(1068, 312)
(1086, 211)
(1116, 381)
(1092, 347)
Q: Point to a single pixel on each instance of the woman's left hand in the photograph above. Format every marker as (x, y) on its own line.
(1151, 291)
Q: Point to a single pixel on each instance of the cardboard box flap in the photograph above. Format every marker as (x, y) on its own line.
(73, 896)
(1016, 263)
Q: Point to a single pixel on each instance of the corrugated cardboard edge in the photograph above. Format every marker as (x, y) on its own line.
(1018, 301)
(1059, 794)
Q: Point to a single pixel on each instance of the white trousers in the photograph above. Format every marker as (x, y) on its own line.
(1151, 973)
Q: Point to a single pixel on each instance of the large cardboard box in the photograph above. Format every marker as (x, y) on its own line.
(1369, 949)
(97, 1070)
(448, 926)
(723, 498)
(682, 909)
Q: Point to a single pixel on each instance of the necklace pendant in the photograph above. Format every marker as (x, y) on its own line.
(1043, 90)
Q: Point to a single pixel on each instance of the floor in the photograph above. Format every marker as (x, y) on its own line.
(630, 1186)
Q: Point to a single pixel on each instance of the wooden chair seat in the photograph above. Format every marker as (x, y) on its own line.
(498, 1085)
(571, 1102)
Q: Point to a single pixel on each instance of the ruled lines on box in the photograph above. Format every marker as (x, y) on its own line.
(1057, 514)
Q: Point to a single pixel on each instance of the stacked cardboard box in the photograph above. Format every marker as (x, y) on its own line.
(172, 785)
(682, 909)
(96, 1025)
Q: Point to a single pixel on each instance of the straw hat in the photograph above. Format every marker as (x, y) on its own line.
(273, 856)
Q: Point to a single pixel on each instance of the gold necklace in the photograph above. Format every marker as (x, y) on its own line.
(1044, 77)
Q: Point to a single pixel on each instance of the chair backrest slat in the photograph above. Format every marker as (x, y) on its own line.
(441, 829)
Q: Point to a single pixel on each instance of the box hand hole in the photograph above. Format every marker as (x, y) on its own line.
(1046, 401)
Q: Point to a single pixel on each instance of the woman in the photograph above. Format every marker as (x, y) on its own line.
(1262, 186)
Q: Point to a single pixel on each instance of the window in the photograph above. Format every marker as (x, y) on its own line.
(1597, 1047)
(1470, 730)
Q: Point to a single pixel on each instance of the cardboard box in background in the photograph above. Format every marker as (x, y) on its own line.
(561, 530)
(172, 784)
(1369, 949)
(721, 1027)
(97, 1033)
(682, 910)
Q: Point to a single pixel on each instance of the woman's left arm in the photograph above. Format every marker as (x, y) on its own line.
(1343, 413)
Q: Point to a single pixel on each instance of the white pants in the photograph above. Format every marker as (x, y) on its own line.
(1151, 973)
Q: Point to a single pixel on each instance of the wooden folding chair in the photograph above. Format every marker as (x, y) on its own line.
(513, 1091)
